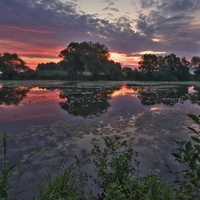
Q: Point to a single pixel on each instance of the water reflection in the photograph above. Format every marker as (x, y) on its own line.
(86, 102)
(45, 112)
(163, 95)
(12, 95)
(195, 95)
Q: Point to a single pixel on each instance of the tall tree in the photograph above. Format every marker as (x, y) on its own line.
(11, 64)
(195, 61)
(85, 55)
(148, 63)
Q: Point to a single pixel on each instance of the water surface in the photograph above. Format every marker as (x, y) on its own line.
(51, 120)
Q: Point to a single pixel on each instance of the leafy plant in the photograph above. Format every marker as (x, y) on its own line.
(7, 184)
(188, 156)
(114, 164)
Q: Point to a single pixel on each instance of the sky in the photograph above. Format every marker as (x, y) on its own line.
(37, 30)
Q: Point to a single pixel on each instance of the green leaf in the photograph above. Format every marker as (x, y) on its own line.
(188, 145)
(176, 155)
(193, 130)
(196, 139)
(194, 118)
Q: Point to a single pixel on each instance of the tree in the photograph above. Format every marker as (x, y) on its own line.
(11, 64)
(113, 70)
(175, 68)
(48, 66)
(148, 63)
(85, 55)
(195, 61)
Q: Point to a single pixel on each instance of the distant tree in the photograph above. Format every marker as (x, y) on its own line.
(113, 70)
(195, 61)
(48, 66)
(11, 64)
(148, 64)
(85, 55)
(175, 68)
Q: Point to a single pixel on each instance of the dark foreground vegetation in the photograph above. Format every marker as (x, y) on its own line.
(117, 175)
(91, 61)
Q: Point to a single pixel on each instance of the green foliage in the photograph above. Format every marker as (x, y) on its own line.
(118, 177)
(114, 162)
(68, 184)
(60, 186)
(188, 156)
(8, 187)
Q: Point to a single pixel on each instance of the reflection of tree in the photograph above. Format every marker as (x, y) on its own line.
(12, 95)
(167, 95)
(195, 96)
(86, 102)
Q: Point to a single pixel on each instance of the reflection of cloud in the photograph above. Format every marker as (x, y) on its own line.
(191, 89)
(124, 91)
(26, 117)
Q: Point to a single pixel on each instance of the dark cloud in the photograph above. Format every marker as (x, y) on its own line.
(174, 22)
(112, 9)
(63, 24)
(106, 8)
(52, 23)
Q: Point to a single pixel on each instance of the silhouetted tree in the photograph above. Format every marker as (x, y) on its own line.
(48, 66)
(148, 64)
(85, 55)
(11, 64)
(112, 70)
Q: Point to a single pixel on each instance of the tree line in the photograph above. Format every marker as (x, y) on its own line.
(91, 61)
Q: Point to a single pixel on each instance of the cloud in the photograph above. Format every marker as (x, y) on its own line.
(51, 23)
(48, 26)
(112, 9)
(174, 23)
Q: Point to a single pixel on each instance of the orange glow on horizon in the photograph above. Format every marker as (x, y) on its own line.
(124, 59)
(152, 52)
(33, 62)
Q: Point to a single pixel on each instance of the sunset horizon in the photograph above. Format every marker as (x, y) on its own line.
(38, 30)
